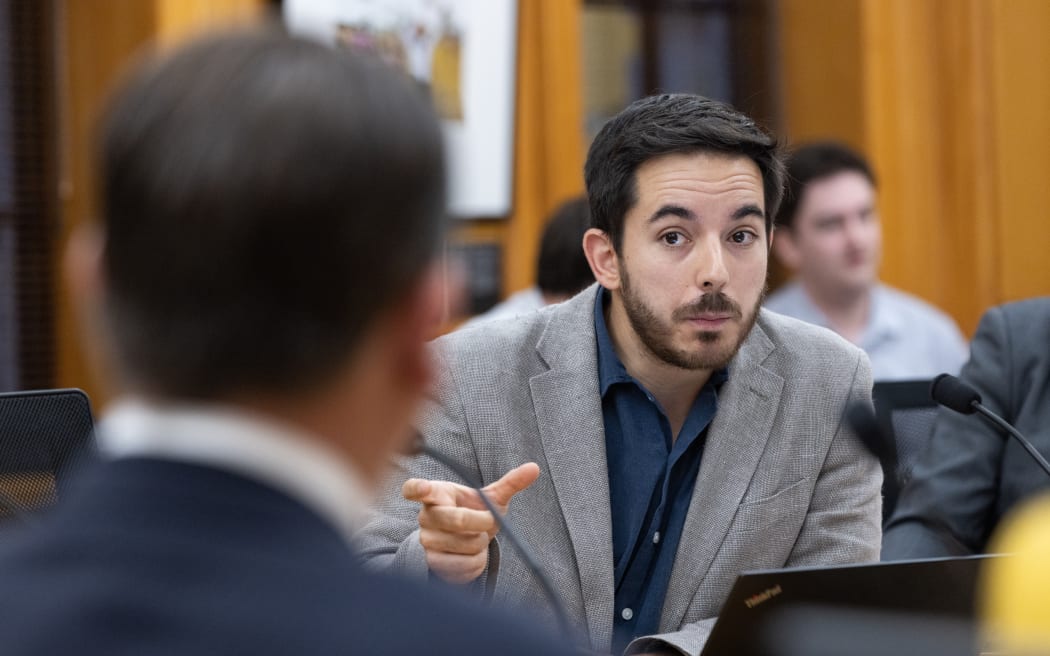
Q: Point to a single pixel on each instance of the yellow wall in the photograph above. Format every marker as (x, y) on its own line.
(1020, 67)
(950, 99)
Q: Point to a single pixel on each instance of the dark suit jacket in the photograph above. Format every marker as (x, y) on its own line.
(972, 474)
(156, 557)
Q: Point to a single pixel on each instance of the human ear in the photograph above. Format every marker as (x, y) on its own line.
(82, 265)
(605, 264)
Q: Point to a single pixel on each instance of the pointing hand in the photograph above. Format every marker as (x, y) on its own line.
(455, 527)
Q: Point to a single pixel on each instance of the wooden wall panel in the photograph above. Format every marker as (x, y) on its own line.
(1021, 73)
(821, 56)
(966, 221)
(178, 19)
(950, 99)
(927, 134)
(548, 148)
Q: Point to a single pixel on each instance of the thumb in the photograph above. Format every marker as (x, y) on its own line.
(514, 481)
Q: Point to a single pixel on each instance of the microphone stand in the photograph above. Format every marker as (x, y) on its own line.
(1001, 423)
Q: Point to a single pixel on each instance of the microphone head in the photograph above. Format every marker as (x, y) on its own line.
(954, 394)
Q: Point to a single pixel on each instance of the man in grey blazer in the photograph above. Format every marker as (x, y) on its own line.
(683, 434)
(972, 475)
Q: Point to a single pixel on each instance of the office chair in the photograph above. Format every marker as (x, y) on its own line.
(906, 415)
(45, 436)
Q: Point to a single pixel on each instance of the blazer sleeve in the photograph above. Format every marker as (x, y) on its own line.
(948, 507)
(390, 539)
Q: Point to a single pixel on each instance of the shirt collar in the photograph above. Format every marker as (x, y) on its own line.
(610, 367)
(234, 440)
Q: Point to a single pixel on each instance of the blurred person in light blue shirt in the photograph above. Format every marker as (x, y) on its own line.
(829, 234)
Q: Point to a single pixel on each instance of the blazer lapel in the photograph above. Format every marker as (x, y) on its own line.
(568, 413)
(747, 406)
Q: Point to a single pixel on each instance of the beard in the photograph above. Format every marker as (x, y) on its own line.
(714, 349)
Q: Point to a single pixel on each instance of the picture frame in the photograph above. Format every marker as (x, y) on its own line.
(465, 51)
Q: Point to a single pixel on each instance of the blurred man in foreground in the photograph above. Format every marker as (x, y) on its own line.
(829, 234)
(262, 283)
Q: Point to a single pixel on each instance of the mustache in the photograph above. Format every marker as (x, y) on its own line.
(713, 303)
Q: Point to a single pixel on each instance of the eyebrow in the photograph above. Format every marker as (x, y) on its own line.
(741, 212)
(748, 210)
(672, 210)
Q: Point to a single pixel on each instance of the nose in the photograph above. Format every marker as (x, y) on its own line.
(712, 274)
(858, 231)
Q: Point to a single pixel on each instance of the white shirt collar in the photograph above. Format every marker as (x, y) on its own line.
(254, 446)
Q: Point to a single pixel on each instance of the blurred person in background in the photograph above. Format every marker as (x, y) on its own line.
(972, 474)
(561, 267)
(262, 284)
(828, 233)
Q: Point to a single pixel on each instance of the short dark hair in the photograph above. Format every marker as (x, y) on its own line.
(562, 267)
(813, 161)
(264, 198)
(671, 123)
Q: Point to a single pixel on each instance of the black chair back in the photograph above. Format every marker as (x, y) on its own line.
(906, 415)
(45, 436)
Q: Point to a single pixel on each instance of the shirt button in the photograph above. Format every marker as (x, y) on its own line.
(656, 537)
(627, 613)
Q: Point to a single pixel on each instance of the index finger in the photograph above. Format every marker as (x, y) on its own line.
(434, 493)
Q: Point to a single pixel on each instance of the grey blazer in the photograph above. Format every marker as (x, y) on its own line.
(971, 474)
(782, 483)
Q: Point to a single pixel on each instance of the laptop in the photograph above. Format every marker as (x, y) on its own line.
(941, 589)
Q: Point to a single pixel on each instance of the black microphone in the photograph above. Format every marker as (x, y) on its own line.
(956, 395)
(418, 446)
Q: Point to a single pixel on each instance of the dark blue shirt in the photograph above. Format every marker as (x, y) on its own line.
(651, 480)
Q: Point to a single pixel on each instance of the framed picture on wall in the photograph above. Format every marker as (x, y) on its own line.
(465, 52)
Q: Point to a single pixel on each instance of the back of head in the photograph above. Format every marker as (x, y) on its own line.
(814, 161)
(665, 124)
(264, 198)
(562, 269)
